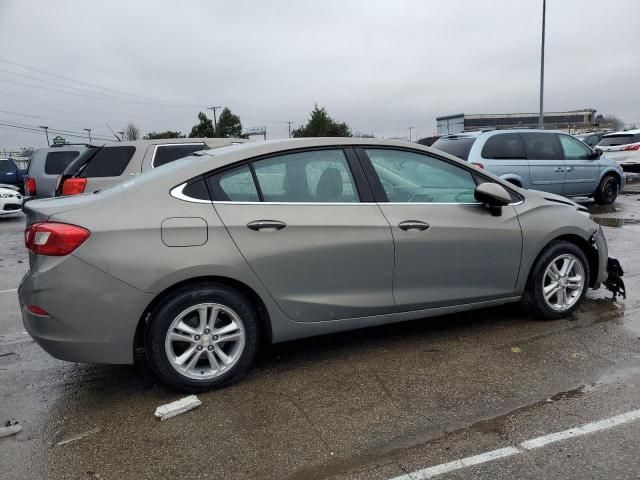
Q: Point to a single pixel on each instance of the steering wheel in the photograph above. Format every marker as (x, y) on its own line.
(387, 187)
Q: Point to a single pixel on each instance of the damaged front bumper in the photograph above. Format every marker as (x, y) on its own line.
(609, 269)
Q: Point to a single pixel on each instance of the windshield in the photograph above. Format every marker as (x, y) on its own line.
(456, 146)
(622, 139)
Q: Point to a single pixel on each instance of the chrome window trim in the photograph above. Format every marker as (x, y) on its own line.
(177, 192)
(155, 149)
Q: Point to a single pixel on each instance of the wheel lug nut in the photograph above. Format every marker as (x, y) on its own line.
(199, 347)
(215, 337)
(210, 347)
(206, 330)
(197, 337)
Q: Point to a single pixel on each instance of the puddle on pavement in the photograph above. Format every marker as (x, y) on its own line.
(600, 209)
(616, 222)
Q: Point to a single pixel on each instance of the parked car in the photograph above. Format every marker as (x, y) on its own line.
(103, 166)
(623, 147)
(544, 160)
(592, 138)
(45, 167)
(202, 260)
(10, 200)
(11, 173)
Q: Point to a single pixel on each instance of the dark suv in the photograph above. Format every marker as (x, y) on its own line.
(10, 173)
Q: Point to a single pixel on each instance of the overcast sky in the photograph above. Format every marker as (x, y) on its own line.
(381, 66)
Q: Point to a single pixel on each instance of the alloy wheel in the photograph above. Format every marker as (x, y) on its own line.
(563, 282)
(205, 341)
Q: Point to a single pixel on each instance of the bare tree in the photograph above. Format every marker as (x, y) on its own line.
(610, 121)
(131, 132)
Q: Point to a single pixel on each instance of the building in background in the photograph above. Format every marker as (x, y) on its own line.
(572, 121)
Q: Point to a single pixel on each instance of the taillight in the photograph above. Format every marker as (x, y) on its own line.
(74, 186)
(479, 165)
(29, 186)
(54, 239)
(631, 147)
(36, 310)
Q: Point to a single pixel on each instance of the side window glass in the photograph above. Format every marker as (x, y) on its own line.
(409, 177)
(574, 149)
(234, 185)
(504, 145)
(317, 176)
(108, 162)
(542, 146)
(168, 153)
(56, 162)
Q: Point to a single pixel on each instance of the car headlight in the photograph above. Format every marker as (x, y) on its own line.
(6, 195)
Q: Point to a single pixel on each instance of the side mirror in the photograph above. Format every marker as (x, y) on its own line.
(492, 195)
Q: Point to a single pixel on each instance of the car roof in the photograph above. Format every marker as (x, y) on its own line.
(624, 132)
(169, 141)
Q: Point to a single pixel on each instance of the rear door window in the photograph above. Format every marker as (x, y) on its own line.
(6, 165)
(108, 162)
(542, 146)
(505, 145)
(168, 153)
(234, 185)
(456, 146)
(318, 176)
(56, 162)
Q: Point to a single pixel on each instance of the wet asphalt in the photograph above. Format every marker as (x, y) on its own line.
(369, 404)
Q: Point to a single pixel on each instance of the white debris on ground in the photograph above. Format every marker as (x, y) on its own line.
(163, 412)
(80, 436)
(10, 430)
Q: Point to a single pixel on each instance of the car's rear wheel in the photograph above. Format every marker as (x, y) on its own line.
(558, 281)
(202, 337)
(607, 191)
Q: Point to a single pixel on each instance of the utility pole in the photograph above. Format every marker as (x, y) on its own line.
(46, 133)
(215, 120)
(410, 136)
(541, 119)
(88, 130)
(288, 123)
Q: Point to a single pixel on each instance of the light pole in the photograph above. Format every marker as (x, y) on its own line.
(88, 130)
(46, 132)
(215, 120)
(121, 136)
(410, 136)
(541, 119)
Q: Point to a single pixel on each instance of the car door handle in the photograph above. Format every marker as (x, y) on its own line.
(559, 169)
(266, 225)
(413, 225)
(570, 169)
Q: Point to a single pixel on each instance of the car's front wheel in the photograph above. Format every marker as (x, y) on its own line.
(607, 191)
(202, 337)
(558, 281)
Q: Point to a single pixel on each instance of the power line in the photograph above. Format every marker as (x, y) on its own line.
(91, 84)
(132, 102)
(35, 128)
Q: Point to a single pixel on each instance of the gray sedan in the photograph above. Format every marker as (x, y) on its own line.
(202, 260)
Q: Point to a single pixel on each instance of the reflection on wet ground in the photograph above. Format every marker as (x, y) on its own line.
(615, 222)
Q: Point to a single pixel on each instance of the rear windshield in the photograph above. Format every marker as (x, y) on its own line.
(108, 162)
(456, 146)
(621, 139)
(169, 153)
(56, 162)
(6, 165)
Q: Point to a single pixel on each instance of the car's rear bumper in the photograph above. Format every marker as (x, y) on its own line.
(92, 316)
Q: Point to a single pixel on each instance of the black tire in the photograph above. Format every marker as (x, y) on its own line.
(533, 298)
(607, 191)
(182, 300)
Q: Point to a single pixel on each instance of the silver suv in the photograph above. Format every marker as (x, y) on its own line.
(45, 167)
(544, 160)
(103, 166)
